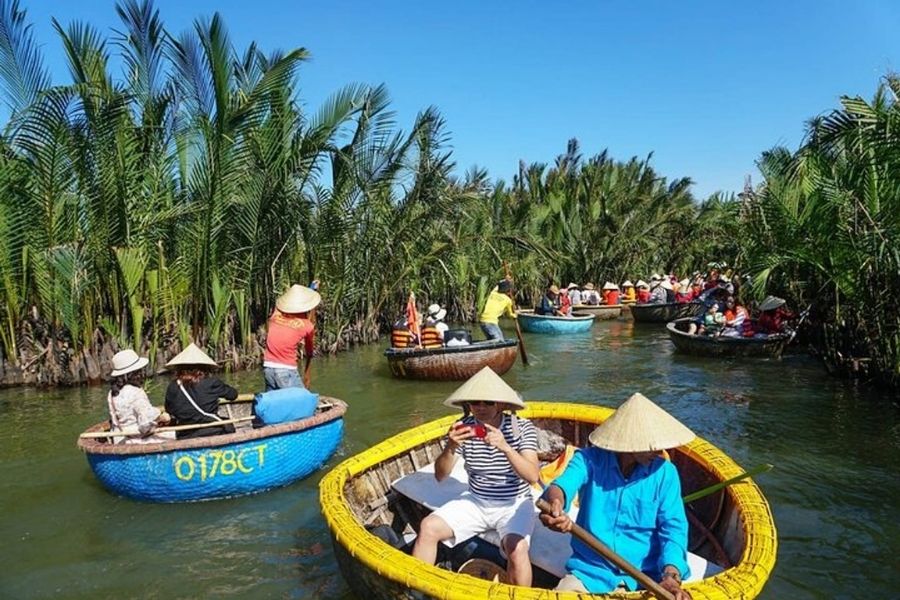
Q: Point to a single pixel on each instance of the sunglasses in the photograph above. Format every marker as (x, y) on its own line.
(481, 403)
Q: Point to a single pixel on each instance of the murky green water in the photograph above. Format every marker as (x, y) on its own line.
(835, 491)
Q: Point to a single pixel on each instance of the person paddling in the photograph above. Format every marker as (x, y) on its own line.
(287, 328)
(499, 303)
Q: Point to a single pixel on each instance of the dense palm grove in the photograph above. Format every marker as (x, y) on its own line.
(175, 201)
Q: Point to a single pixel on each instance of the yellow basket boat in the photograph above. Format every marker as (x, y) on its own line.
(733, 526)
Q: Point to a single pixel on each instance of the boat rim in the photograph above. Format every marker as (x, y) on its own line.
(579, 317)
(473, 347)
(749, 573)
(95, 446)
(772, 339)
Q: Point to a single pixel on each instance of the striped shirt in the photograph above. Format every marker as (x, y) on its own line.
(491, 476)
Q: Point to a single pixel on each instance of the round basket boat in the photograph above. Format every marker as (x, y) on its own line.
(663, 313)
(248, 461)
(732, 527)
(601, 312)
(533, 323)
(456, 363)
(709, 345)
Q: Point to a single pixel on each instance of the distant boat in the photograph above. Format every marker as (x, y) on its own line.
(663, 313)
(533, 323)
(455, 363)
(711, 345)
(248, 461)
(603, 312)
(732, 533)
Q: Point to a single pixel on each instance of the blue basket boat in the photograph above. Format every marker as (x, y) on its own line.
(249, 461)
(533, 323)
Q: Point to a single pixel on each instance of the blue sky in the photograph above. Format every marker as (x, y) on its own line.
(705, 86)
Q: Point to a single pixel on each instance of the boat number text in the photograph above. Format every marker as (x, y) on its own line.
(219, 462)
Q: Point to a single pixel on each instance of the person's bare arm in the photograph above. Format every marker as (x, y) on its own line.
(444, 463)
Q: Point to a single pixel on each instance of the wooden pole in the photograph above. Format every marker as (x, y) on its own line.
(606, 552)
(522, 352)
(134, 431)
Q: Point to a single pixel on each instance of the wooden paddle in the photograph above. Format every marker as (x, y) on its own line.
(607, 553)
(723, 484)
(522, 352)
(133, 431)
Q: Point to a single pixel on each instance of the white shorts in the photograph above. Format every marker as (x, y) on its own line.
(470, 515)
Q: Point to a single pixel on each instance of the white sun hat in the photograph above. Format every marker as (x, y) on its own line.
(485, 385)
(639, 425)
(609, 285)
(655, 277)
(436, 312)
(192, 355)
(771, 303)
(666, 284)
(627, 283)
(641, 284)
(298, 299)
(685, 283)
(127, 361)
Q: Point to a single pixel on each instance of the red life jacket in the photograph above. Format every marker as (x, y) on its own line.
(612, 297)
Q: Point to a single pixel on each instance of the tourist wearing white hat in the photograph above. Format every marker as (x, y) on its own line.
(287, 328)
(643, 291)
(129, 406)
(432, 335)
(610, 293)
(659, 290)
(630, 497)
(576, 298)
(590, 296)
(630, 296)
(193, 394)
(500, 454)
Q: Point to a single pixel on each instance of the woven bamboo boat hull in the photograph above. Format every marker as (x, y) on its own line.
(733, 526)
(223, 466)
(701, 345)
(601, 312)
(452, 364)
(663, 313)
(533, 323)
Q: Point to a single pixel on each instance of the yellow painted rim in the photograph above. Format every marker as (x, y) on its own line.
(744, 580)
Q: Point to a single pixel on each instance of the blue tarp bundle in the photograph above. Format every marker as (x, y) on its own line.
(287, 404)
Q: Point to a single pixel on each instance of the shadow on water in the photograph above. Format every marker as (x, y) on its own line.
(834, 491)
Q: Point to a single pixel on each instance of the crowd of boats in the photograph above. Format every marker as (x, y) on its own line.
(374, 502)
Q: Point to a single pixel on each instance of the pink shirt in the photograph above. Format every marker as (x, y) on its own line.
(284, 336)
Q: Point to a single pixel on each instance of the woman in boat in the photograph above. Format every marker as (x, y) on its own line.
(735, 318)
(590, 297)
(643, 292)
(434, 329)
(772, 316)
(129, 406)
(565, 305)
(684, 293)
(287, 328)
(500, 454)
(193, 395)
(630, 296)
(548, 304)
(611, 292)
(575, 296)
(499, 303)
(624, 468)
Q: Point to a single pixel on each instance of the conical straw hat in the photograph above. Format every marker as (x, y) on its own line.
(641, 284)
(485, 385)
(640, 426)
(627, 283)
(609, 285)
(298, 299)
(192, 355)
(771, 303)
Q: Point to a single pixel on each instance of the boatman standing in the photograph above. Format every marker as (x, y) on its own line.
(499, 303)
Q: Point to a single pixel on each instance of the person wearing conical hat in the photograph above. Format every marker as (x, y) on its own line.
(193, 394)
(288, 327)
(610, 293)
(630, 498)
(643, 291)
(500, 454)
(772, 316)
(499, 303)
(128, 403)
(590, 296)
(630, 296)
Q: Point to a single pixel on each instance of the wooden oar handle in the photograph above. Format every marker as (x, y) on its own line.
(131, 432)
(607, 553)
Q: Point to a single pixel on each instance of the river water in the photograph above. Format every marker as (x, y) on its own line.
(834, 490)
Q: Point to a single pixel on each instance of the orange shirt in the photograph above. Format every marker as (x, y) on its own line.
(284, 336)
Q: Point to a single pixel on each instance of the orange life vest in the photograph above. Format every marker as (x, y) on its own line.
(401, 337)
(431, 337)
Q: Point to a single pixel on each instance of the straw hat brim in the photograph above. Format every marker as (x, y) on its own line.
(298, 299)
(191, 356)
(137, 365)
(554, 289)
(639, 425)
(589, 286)
(771, 303)
(439, 315)
(627, 283)
(488, 386)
